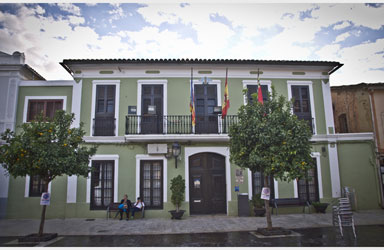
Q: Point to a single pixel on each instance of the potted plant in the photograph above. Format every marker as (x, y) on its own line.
(258, 205)
(177, 197)
(320, 207)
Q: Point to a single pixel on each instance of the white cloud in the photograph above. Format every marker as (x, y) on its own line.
(252, 34)
(71, 8)
(342, 37)
(342, 25)
(358, 62)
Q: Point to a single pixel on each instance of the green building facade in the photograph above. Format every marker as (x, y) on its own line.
(136, 111)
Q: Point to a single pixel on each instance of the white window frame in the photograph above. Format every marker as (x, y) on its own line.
(250, 187)
(140, 84)
(114, 158)
(224, 151)
(268, 83)
(140, 158)
(28, 98)
(218, 90)
(319, 177)
(28, 182)
(95, 83)
(309, 84)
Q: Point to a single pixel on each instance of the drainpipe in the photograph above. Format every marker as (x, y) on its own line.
(377, 153)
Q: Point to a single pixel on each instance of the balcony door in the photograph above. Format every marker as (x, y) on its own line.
(152, 109)
(206, 100)
(302, 104)
(104, 123)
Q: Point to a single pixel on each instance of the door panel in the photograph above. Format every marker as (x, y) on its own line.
(207, 184)
(302, 103)
(152, 95)
(206, 100)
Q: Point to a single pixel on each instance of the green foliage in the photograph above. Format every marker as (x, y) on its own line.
(48, 148)
(257, 201)
(270, 139)
(178, 191)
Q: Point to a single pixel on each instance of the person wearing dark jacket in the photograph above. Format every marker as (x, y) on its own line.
(125, 206)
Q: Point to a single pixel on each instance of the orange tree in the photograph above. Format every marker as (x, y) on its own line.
(270, 139)
(48, 149)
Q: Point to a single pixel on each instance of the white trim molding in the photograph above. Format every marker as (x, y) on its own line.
(59, 83)
(140, 84)
(71, 189)
(76, 103)
(334, 170)
(255, 82)
(140, 158)
(111, 157)
(224, 151)
(309, 84)
(27, 183)
(117, 101)
(27, 98)
(250, 188)
(327, 98)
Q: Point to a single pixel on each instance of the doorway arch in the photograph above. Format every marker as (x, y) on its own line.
(207, 183)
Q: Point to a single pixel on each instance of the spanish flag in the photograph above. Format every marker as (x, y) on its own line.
(192, 102)
(226, 97)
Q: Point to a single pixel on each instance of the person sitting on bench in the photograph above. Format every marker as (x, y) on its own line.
(138, 206)
(124, 206)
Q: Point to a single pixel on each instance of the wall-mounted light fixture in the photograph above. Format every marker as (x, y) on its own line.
(176, 150)
(324, 151)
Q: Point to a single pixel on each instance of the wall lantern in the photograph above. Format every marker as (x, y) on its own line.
(176, 150)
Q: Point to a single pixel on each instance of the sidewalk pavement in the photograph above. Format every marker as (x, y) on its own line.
(191, 224)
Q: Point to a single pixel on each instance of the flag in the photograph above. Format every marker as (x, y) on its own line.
(226, 97)
(192, 102)
(259, 93)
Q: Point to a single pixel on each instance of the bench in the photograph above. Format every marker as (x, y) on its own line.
(290, 202)
(114, 207)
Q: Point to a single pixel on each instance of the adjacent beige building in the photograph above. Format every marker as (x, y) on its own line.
(360, 108)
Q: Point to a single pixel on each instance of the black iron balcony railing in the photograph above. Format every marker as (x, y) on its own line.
(104, 126)
(178, 124)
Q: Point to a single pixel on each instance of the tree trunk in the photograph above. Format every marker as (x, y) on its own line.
(266, 204)
(42, 219)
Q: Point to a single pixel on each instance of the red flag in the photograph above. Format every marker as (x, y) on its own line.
(226, 97)
(259, 93)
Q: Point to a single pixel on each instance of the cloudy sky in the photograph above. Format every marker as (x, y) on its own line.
(350, 33)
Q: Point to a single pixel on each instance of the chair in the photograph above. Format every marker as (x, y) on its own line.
(343, 216)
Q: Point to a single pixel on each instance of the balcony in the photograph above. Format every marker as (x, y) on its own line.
(178, 124)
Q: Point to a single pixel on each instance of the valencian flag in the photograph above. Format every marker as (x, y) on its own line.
(192, 102)
(259, 93)
(226, 97)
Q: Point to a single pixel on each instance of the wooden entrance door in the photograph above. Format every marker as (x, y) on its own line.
(207, 186)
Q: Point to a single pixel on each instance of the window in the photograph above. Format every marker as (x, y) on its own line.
(309, 187)
(253, 89)
(36, 186)
(47, 107)
(102, 184)
(104, 122)
(343, 123)
(152, 109)
(151, 183)
(302, 103)
(258, 184)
